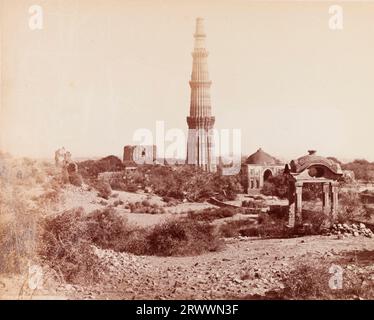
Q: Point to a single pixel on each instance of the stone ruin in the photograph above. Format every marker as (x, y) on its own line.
(68, 166)
(312, 169)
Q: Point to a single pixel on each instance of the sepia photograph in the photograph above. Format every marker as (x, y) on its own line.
(190, 150)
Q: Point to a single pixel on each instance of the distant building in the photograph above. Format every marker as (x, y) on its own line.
(257, 168)
(138, 155)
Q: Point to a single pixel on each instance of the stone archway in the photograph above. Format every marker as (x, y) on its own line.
(316, 170)
(267, 174)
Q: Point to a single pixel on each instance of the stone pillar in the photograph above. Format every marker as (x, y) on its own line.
(334, 200)
(326, 197)
(299, 201)
(291, 204)
(291, 215)
(261, 183)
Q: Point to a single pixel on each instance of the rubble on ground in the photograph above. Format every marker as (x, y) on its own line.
(352, 229)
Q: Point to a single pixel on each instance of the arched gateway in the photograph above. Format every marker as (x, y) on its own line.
(312, 169)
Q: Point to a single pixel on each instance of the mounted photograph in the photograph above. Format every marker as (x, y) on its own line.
(186, 150)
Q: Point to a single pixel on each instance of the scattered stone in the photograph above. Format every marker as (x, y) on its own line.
(356, 230)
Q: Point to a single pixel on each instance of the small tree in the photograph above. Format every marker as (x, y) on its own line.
(276, 186)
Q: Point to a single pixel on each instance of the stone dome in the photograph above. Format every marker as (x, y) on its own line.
(312, 159)
(262, 158)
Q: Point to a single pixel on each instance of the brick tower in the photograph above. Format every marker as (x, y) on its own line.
(200, 144)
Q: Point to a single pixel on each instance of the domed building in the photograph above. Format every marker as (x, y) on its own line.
(259, 167)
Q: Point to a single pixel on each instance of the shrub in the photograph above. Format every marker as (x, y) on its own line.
(184, 182)
(265, 227)
(276, 186)
(350, 206)
(108, 230)
(252, 204)
(317, 221)
(131, 188)
(118, 203)
(104, 189)
(145, 207)
(236, 228)
(363, 169)
(117, 182)
(309, 280)
(75, 179)
(182, 237)
(312, 191)
(211, 214)
(66, 247)
(68, 241)
(91, 168)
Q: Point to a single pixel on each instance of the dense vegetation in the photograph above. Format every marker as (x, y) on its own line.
(278, 186)
(363, 169)
(180, 182)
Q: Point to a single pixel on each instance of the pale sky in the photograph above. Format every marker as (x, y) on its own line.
(99, 70)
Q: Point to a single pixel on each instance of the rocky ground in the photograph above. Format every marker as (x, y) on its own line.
(246, 266)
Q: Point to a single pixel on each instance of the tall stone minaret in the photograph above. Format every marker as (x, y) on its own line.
(200, 145)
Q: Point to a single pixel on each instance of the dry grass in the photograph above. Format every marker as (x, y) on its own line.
(309, 280)
(65, 247)
(19, 213)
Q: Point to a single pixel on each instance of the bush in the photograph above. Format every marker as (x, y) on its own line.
(309, 280)
(182, 237)
(75, 179)
(312, 191)
(108, 230)
(185, 182)
(66, 247)
(237, 228)
(145, 207)
(265, 227)
(68, 241)
(104, 189)
(317, 222)
(363, 169)
(211, 214)
(252, 204)
(117, 182)
(276, 186)
(90, 169)
(350, 206)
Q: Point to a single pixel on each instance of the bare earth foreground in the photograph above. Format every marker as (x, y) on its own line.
(246, 266)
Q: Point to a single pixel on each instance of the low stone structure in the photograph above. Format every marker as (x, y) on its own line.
(312, 169)
(134, 155)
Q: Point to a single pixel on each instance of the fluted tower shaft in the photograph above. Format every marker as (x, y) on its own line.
(200, 145)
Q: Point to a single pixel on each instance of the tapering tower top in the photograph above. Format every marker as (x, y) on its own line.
(199, 34)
